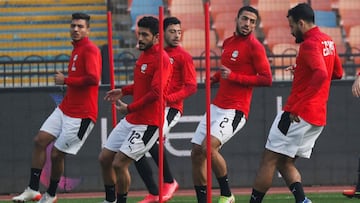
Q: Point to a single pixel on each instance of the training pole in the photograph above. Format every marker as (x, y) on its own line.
(111, 66)
(161, 140)
(208, 95)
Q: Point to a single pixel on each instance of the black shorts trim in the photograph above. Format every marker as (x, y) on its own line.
(238, 116)
(149, 133)
(83, 127)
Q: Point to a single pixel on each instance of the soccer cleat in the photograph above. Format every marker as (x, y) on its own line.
(150, 199)
(351, 193)
(28, 195)
(224, 199)
(46, 198)
(105, 201)
(306, 200)
(169, 190)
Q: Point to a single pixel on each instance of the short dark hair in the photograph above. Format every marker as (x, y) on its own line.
(82, 16)
(171, 21)
(302, 11)
(250, 9)
(149, 22)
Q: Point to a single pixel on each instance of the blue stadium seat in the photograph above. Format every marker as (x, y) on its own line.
(325, 18)
(141, 7)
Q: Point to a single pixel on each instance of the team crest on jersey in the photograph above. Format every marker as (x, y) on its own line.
(171, 60)
(235, 54)
(143, 68)
(73, 67)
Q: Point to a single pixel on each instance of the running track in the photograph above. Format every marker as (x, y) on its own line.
(180, 192)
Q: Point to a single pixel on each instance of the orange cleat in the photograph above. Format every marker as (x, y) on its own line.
(351, 193)
(169, 190)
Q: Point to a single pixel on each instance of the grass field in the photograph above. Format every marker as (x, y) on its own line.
(271, 198)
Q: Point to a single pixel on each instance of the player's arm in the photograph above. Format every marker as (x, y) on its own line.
(261, 64)
(154, 93)
(92, 71)
(190, 84)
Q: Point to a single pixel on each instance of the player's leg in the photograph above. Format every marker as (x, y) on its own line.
(50, 129)
(354, 192)
(198, 160)
(121, 167)
(106, 158)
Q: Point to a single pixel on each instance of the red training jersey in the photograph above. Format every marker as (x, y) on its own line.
(84, 72)
(145, 108)
(183, 80)
(317, 64)
(246, 57)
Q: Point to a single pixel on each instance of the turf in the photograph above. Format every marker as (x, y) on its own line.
(274, 198)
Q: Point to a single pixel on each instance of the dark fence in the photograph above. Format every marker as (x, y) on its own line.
(37, 71)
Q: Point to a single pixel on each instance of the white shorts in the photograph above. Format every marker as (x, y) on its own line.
(172, 117)
(70, 133)
(294, 139)
(225, 123)
(132, 140)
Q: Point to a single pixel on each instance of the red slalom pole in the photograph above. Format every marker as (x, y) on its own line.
(111, 66)
(161, 141)
(208, 95)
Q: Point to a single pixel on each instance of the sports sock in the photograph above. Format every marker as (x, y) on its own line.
(224, 186)
(35, 174)
(298, 191)
(256, 196)
(154, 151)
(121, 198)
(201, 193)
(144, 169)
(358, 182)
(110, 195)
(52, 187)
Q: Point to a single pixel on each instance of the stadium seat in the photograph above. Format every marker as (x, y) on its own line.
(354, 42)
(269, 19)
(185, 7)
(141, 8)
(191, 20)
(224, 23)
(194, 42)
(349, 12)
(224, 6)
(278, 35)
(285, 57)
(325, 18)
(322, 5)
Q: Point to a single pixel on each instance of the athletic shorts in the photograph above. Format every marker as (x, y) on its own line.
(172, 117)
(292, 139)
(225, 123)
(70, 133)
(132, 140)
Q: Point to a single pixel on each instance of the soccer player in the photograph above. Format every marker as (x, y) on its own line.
(295, 129)
(72, 121)
(182, 85)
(244, 66)
(135, 134)
(355, 192)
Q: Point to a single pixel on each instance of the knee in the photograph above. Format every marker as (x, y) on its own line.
(105, 159)
(198, 152)
(57, 155)
(42, 140)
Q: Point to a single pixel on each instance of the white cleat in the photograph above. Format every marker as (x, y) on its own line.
(46, 198)
(28, 195)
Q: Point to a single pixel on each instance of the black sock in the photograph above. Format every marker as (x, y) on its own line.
(144, 169)
(110, 194)
(52, 187)
(35, 174)
(256, 196)
(121, 198)
(298, 191)
(154, 151)
(201, 193)
(358, 182)
(224, 186)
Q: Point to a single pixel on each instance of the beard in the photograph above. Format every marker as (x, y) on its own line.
(298, 37)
